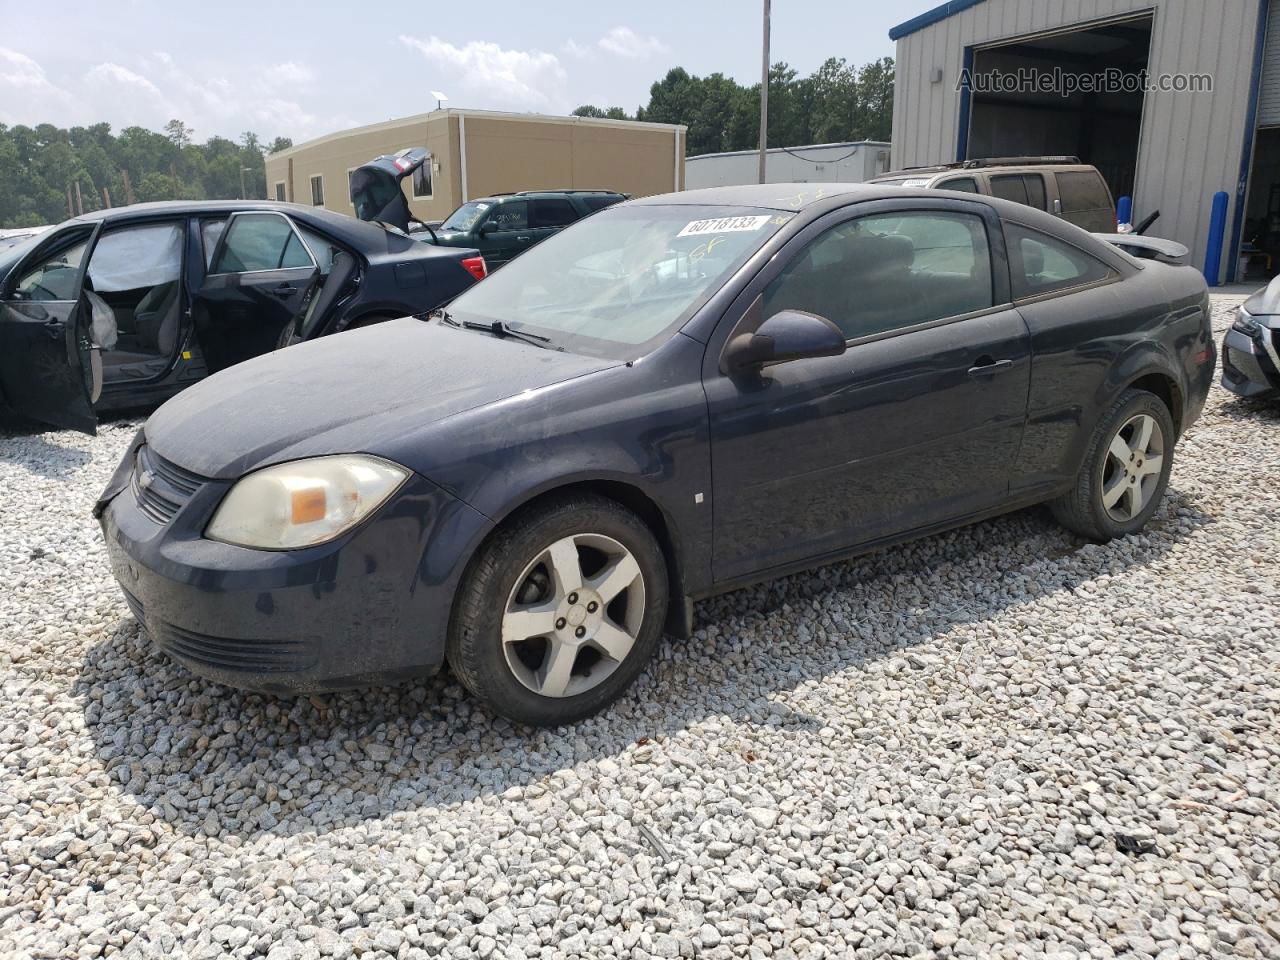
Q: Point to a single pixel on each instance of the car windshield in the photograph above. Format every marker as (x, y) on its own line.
(465, 217)
(617, 283)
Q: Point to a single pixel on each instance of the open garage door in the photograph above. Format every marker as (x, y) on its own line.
(1099, 128)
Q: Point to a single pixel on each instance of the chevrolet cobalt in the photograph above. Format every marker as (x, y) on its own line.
(674, 397)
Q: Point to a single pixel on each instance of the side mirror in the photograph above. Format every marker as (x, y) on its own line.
(485, 229)
(787, 335)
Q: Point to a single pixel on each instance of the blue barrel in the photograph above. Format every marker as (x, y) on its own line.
(1217, 230)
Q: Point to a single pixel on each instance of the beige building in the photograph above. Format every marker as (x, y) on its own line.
(475, 153)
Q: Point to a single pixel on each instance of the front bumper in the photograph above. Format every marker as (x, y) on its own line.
(368, 608)
(1248, 368)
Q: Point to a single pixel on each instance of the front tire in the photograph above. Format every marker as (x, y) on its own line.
(1125, 472)
(560, 611)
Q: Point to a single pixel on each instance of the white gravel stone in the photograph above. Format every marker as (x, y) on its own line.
(999, 742)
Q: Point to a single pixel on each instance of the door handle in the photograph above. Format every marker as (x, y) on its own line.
(54, 328)
(986, 366)
(284, 290)
(524, 239)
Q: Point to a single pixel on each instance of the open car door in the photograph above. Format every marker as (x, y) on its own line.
(329, 291)
(375, 187)
(261, 279)
(49, 365)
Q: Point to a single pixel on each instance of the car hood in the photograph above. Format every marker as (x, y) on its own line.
(1266, 302)
(354, 392)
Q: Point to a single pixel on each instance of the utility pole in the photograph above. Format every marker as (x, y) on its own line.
(764, 94)
(242, 170)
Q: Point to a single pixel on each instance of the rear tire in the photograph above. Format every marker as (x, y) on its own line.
(560, 611)
(1125, 472)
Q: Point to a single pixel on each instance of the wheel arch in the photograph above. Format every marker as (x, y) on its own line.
(1164, 386)
(633, 498)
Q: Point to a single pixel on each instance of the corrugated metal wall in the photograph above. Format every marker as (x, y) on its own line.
(1191, 143)
(1269, 95)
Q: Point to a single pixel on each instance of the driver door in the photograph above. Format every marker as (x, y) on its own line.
(260, 281)
(505, 233)
(49, 366)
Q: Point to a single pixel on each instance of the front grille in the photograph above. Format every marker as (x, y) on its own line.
(160, 487)
(243, 656)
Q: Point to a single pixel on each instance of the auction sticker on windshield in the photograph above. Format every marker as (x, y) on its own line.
(723, 225)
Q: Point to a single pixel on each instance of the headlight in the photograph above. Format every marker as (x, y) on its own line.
(1245, 323)
(305, 502)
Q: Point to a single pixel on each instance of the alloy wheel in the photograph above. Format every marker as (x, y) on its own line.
(573, 615)
(1131, 473)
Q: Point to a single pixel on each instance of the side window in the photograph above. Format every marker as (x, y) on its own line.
(317, 191)
(260, 241)
(1009, 187)
(963, 184)
(210, 231)
(889, 271)
(599, 203)
(134, 258)
(1043, 264)
(54, 277)
(1082, 190)
(510, 216)
(553, 213)
(1035, 191)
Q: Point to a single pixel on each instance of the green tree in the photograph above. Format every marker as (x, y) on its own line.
(40, 168)
(609, 113)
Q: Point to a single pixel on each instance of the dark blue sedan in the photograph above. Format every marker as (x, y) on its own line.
(672, 398)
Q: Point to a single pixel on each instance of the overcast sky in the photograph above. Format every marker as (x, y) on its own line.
(301, 69)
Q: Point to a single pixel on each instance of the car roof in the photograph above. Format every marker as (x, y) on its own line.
(813, 200)
(996, 169)
(342, 226)
(556, 194)
(775, 196)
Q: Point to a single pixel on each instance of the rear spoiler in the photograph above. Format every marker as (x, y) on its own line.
(1147, 248)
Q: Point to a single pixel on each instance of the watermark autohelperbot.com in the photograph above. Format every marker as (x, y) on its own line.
(1065, 83)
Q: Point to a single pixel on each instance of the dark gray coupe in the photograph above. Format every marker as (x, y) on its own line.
(672, 398)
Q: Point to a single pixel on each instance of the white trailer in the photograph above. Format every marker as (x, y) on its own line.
(817, 163)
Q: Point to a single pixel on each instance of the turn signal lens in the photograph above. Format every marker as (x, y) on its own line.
(305, 502)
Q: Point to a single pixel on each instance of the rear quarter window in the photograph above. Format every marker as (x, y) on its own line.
(1082, 190)
(1042, 264)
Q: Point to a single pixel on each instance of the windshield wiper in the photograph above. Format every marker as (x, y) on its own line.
(496, 327)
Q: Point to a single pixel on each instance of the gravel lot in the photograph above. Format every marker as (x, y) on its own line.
(996, 743)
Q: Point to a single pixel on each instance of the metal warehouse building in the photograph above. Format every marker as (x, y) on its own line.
(475, 153)
(1170, 149)
(851, 162)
